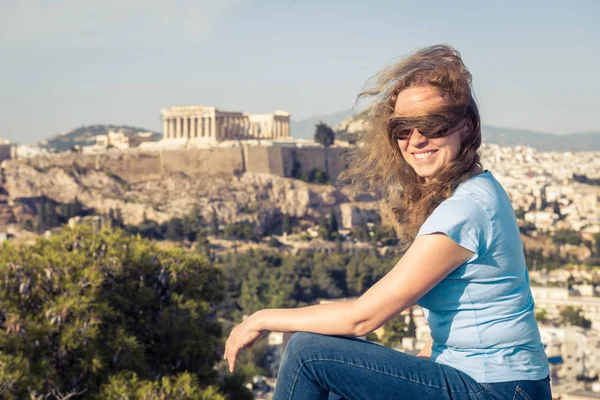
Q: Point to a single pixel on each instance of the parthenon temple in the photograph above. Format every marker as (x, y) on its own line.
(201, 123)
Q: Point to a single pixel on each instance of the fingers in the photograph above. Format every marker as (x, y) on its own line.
(230, 354)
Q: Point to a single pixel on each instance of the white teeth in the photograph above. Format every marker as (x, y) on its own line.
(422, 156)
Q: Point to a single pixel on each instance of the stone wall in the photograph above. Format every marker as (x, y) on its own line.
(137, 166)
(266, 160)
(310, 158)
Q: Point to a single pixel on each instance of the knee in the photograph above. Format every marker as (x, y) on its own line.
(299, 343)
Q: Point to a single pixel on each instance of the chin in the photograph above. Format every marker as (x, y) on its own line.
(426, 172)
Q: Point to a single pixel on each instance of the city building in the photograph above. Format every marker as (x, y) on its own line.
(113, 139)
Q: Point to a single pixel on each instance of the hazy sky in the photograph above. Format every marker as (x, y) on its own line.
(67, 63)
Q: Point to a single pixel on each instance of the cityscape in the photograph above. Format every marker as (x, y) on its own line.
(555, 195)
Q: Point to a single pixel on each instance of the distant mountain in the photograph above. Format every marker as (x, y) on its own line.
(86, 136)
(503, 136)
(305, 129)
(589, 141)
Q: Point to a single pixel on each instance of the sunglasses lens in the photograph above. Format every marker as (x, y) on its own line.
(397, 130)
(437, 134)
(401, 134)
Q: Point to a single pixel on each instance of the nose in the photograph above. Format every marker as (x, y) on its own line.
(416, 138)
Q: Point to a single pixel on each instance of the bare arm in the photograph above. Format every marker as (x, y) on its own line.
(414, 275)
(429, 260)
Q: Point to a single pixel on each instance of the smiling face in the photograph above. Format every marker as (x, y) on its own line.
(426, 156)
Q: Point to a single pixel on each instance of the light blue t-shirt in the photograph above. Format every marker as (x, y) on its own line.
(481, 315)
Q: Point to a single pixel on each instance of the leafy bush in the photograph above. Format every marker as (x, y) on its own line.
(80, 311)
(273, 242)
(240, 231)
(567, 237)
(128, 386)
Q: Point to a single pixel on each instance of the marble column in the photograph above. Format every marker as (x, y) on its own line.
(165, 129)
(177, 127)
(193, 130)
(185, 121)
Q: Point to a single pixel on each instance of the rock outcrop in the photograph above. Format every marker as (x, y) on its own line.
(260, 198)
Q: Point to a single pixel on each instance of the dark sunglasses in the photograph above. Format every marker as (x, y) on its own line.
(430, 126)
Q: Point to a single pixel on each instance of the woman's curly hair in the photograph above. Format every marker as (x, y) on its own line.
(376, 163)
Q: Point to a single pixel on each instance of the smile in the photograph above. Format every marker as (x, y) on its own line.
(424, 156)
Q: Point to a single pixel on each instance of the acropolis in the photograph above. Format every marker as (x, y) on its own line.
(208, 124)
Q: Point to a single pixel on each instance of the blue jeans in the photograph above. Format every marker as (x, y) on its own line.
(331, 367)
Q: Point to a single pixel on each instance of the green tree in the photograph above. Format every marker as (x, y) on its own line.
(597, 243)
(286, 225)
(192, 224)
(574, 316)
(40, 224)
(394, 331)
(214, 223)
(116, 218)
(318, 176)
(324, 229)
(541, 316)
(119, 222)
(411, 330)
(50, 216)
(324, 135)
(333, 224)
(274, 243)
(296, 171)
(92, 313)
(567, 237)
(556, 208)
(243, 230)
(203, 244)
(174, 230)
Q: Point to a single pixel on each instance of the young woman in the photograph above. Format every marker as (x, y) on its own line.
(465, 264)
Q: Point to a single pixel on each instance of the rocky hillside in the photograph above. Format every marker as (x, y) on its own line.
(260, 198)
(86, 136)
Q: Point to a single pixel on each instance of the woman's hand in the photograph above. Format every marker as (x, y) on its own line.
(243, 335)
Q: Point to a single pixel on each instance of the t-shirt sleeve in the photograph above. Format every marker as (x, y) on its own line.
(462, 219)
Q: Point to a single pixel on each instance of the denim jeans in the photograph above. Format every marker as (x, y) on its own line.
(331, 367)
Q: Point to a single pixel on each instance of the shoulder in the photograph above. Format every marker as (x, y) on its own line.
(466, 216)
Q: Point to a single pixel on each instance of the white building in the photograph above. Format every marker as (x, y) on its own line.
(183, 124)
(114, 139)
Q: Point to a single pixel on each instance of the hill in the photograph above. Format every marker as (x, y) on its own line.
(502, 136)
(541, 141)
(86, 136)
(305, 129)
